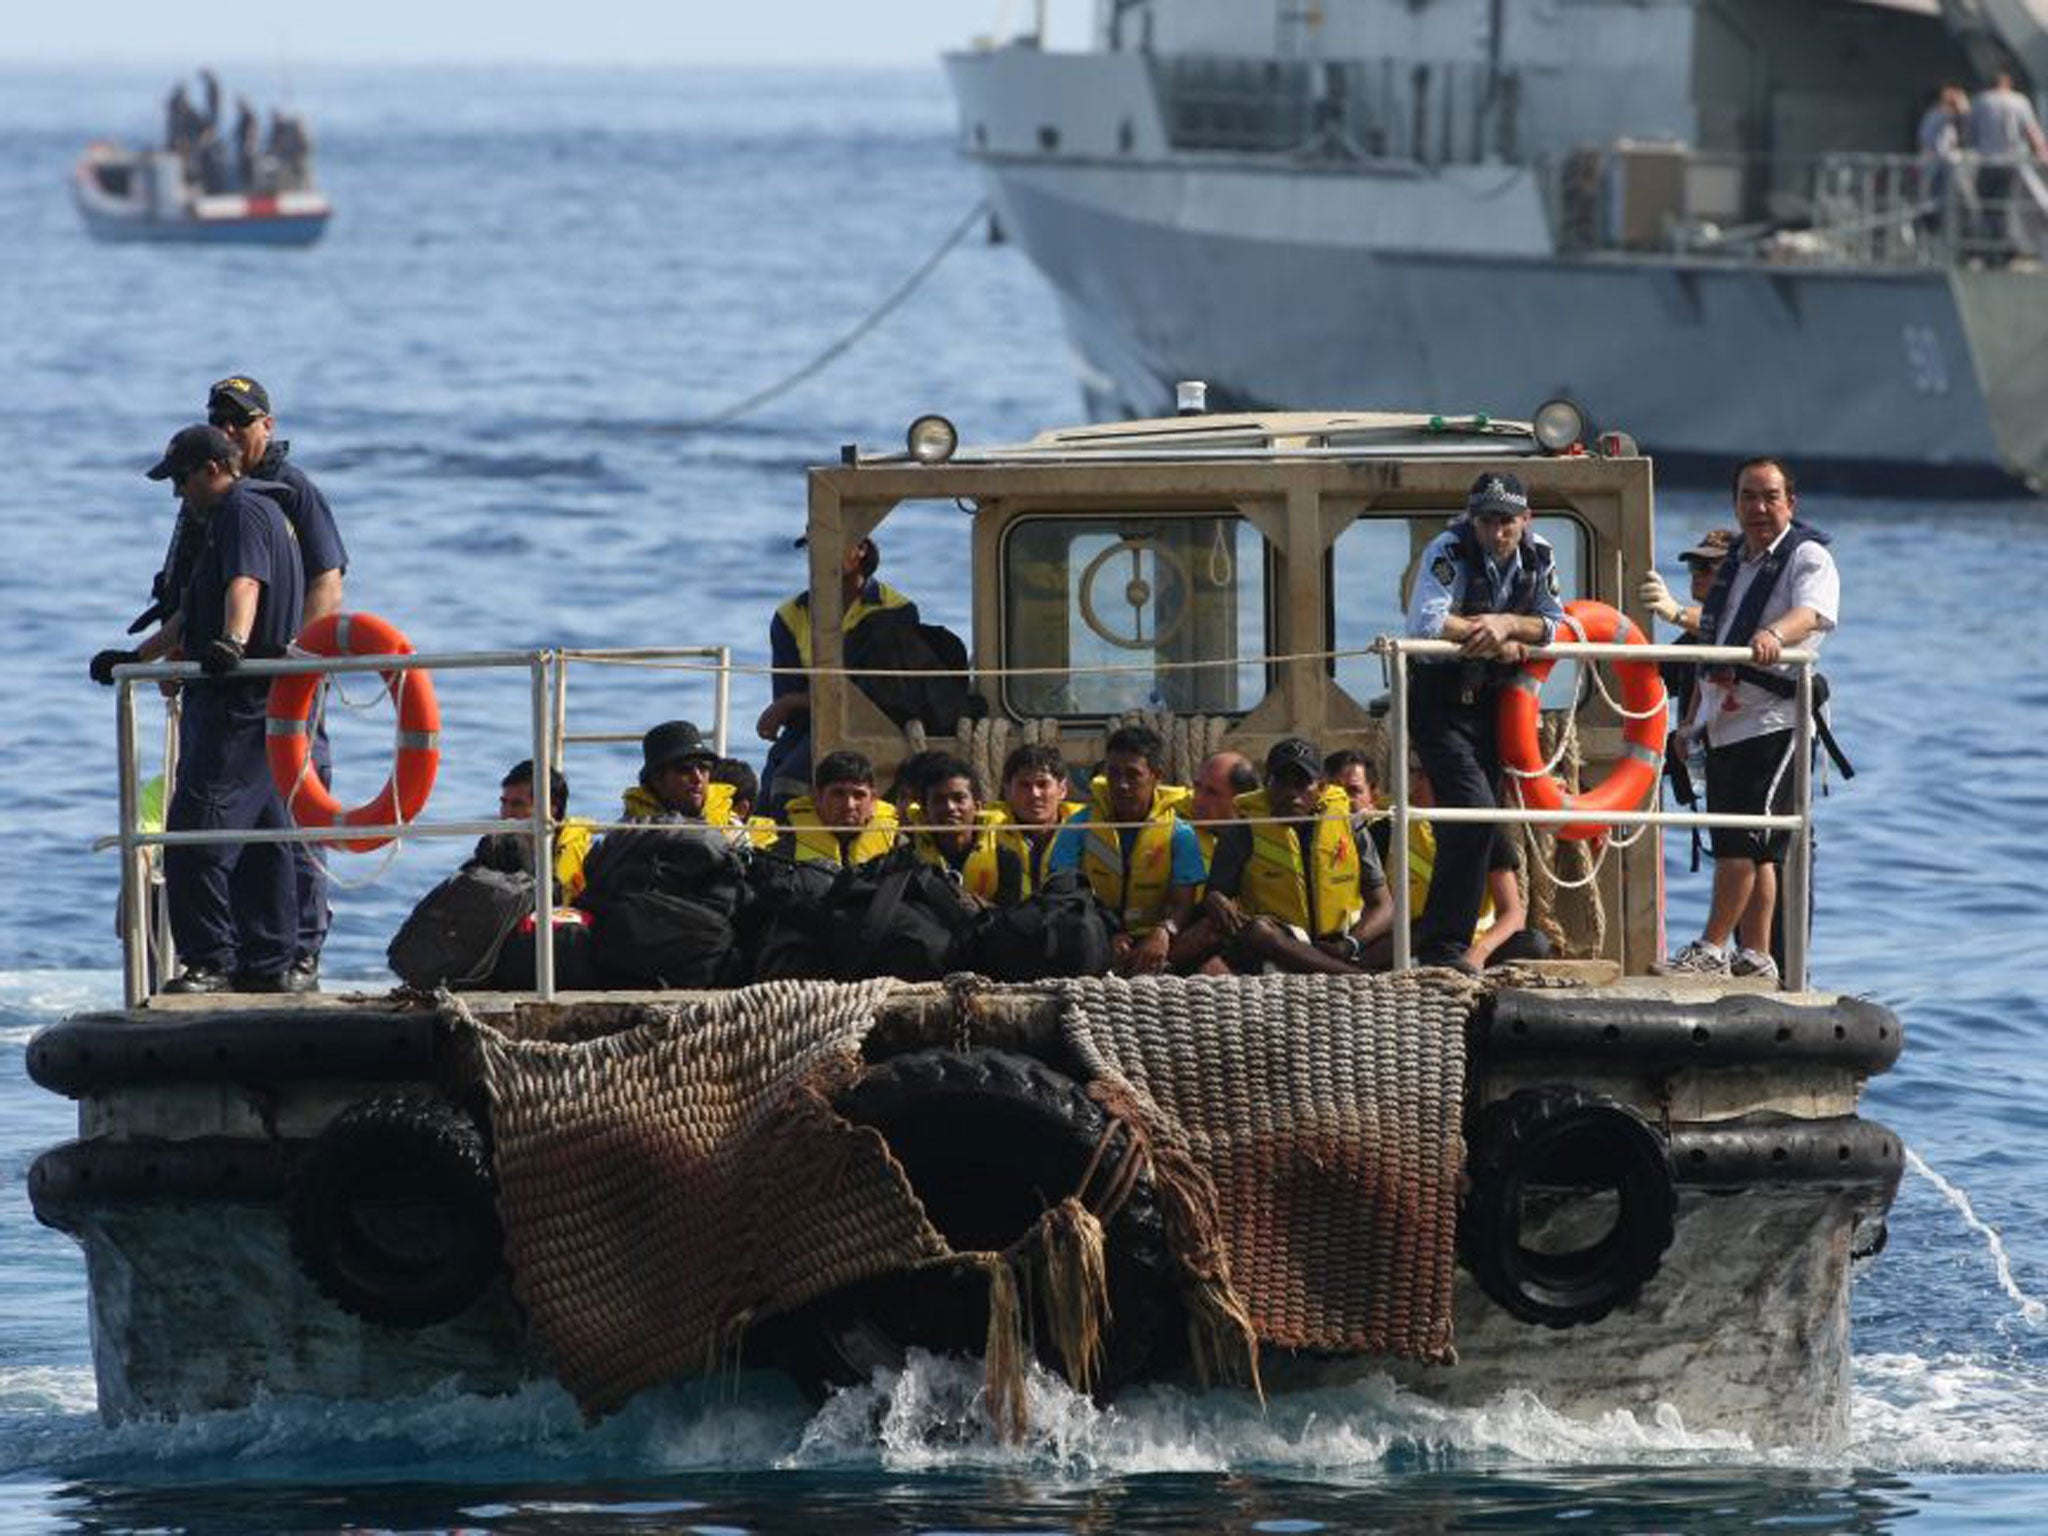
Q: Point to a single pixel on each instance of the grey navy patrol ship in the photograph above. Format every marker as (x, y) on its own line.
(1701, 217)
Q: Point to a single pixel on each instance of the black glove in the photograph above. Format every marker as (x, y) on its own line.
(102, 666)
(221, 656)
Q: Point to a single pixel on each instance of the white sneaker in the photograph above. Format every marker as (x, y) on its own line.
(1699, 958)
(1753, 962)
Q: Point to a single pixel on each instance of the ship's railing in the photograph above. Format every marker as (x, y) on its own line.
(547, 724)
(1798, 868)
(1907, 210)
(146, 942)
(1425, 112)
(1841, 209)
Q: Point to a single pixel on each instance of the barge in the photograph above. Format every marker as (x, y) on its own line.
(1614, 1189)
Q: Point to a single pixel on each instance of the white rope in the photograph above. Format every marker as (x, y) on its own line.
(389, 853)
(1548, 867)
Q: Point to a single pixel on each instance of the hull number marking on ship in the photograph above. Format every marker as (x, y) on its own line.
(1924, 358)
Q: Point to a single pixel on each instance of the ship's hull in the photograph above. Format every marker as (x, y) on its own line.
(1901, 377)
(188, 1190)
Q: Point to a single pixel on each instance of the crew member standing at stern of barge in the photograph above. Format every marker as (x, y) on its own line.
(234, 910)
(1777, 590)
(240, 407)
(1490, 585)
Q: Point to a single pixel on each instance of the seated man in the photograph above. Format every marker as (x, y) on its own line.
(1349, 770)
(675, 792)
(1147, 870)
(1035, 802)
(509, 850)
(1502, 933)
(1222, 778)
(958, 839)
(675, 779)
(842, 821)
(745, 788)
(1303, 892)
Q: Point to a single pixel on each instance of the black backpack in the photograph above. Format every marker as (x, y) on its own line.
(1060, 930)
(655, 939)
(454, 936)
(783, 920)
(894, 916)
(575, 954)
(663, 900)
(893, 640)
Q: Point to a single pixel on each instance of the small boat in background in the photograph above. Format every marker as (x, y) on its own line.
(148, 195)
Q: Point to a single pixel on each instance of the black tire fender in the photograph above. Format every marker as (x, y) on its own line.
(1562, 1140)
(393, 1212)
(989, 1140)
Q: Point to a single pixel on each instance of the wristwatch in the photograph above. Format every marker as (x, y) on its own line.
(1353, 950)
(1170, 928)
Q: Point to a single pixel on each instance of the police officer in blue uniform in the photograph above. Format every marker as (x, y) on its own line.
(1490, 585)
(233, 907)
(240, 407)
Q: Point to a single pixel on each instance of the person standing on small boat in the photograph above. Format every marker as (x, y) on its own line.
(1777, 590)
(1490, 585)
(234, 910)
(240, 407)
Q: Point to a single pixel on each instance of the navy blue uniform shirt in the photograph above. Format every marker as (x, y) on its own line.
(246, 535)
(320, 546)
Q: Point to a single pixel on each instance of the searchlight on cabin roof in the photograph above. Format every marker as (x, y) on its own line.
(932, 439)
(1559, 426)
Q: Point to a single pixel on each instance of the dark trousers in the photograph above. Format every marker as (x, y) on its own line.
(309, 866)
(234, 907)
(1455, 737)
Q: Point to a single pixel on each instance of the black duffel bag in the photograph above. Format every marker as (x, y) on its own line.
(783, 921)
(894, 916)
(1060, 930)
(453, 938)
(663, 902)
(575, 954)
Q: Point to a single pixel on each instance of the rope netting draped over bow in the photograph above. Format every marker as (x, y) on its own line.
(666, 1186)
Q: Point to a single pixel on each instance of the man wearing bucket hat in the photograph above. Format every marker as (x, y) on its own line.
(1490, 585)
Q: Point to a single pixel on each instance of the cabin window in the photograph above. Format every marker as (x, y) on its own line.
(1178, 600)
(1371, 567)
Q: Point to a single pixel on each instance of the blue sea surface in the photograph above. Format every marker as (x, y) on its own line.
(536, 281)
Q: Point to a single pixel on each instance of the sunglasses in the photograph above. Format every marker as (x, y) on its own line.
(231, 423)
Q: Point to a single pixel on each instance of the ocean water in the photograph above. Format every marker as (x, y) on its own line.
(536, 282)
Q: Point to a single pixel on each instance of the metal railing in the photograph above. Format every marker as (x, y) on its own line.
(547, 671)
(1798, 869)
(548, 687)
(1838, 209)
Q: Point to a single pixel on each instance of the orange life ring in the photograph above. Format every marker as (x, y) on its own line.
(288, 730)
(1634, 779)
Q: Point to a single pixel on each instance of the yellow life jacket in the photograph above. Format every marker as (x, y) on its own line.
(643, 804)
(815, 843)
(1140, 896)
(1422, 865)
(1274, 884)
(981, 874)
(762, 831)
(1031, 852)
(796, 616)
(572, 847)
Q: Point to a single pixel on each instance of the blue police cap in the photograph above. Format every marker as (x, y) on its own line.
(1496, 494)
